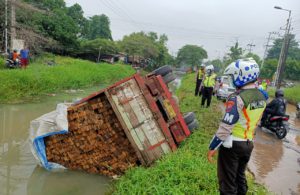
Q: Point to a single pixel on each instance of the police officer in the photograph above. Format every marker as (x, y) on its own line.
(199, 79)
(234, 137)
(208, 85)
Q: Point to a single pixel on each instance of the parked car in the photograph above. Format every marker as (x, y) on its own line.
(224, 88)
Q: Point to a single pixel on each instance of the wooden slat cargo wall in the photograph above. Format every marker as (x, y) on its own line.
(139, 120)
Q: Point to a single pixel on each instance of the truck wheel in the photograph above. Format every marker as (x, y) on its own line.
(169, 78)
(189, 117)
(193, 125)
(164, 70)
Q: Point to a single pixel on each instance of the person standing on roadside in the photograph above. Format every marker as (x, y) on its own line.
(208, 85)
(200, 75)
(235, 134)
(24, 53)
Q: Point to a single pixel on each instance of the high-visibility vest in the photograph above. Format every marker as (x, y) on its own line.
(201, 73)
(254, 106)
(209, 80)
(264, 85)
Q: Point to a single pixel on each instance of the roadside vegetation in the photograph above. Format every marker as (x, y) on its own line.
(50, 74)
(292, 95)
(187, 170)
(2, 62)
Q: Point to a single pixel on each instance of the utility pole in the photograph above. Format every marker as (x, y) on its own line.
(267, 45)
(250, 45)
(99, 54)
(13, 23)
(283, 56)
(6, 18)
(284, 50)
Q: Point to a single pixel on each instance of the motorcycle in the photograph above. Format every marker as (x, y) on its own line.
(11, 64)
(298, 110)
(278, 125)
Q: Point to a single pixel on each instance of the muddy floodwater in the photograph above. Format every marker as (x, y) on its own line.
(19, 173)
(276, 163)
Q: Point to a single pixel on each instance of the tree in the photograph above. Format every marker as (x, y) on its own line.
(292, 70)
(59, 23)
(139, 44)
(76, 13)
(49, 5)
(293, 52)
(60, 27)
(255, 57)
(98, 27)
(269, 68)
(89, 49)
(235, 53)
(149, 46)
(218, 64)
(191, 55)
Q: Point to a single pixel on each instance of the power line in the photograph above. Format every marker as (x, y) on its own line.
(195, 31)
(113, 10)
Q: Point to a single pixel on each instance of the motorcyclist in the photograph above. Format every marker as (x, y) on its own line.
(235, 134)
(276, 107)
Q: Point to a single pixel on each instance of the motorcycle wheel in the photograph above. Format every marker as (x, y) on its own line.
(281, 132)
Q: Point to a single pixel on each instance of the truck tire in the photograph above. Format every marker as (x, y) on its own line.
(189, 117)
(164, 70)
(169, 78)
(193, 125)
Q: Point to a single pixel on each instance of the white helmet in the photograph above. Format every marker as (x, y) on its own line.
(210, 67)
(243, 71)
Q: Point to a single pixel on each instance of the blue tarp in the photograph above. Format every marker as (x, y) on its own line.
(49, 124)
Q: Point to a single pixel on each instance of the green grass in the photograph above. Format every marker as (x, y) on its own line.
(2, 62)
(187, 170)
(291, 94)
(67, 73)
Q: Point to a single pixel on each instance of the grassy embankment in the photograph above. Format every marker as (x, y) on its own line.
(67, 73)
(2, 62)
(291, 94)
(187, 170)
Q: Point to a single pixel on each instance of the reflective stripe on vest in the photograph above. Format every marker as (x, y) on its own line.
(250, 115)
(209, 81)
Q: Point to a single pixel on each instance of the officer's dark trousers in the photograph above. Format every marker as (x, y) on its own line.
(232, 164)
(197, 89)
(207, 94)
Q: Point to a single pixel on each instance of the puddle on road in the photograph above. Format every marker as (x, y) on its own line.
(275, 163)
(19, 173)
(294, 121)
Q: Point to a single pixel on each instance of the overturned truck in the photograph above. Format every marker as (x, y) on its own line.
(133, 122)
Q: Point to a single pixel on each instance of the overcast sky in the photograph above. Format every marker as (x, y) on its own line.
(213, 24)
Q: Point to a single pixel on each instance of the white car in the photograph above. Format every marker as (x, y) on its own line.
(224, 88)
